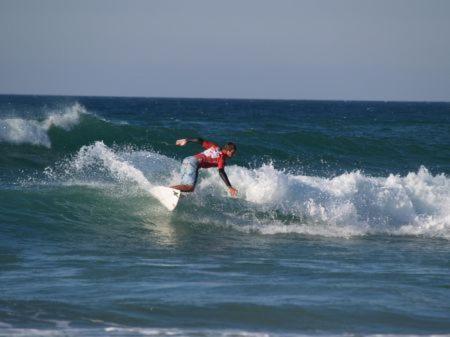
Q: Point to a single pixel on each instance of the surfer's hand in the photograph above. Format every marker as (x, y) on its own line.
(233, 192)
(181, 142)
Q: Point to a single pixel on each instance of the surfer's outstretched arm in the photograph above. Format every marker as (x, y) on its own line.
(231, 189)
(184, 141)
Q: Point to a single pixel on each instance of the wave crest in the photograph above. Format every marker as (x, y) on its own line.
(27, 131)
(273, 201)
(349, 204)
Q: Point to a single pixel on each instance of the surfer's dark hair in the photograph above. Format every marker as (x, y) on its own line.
(229, 147)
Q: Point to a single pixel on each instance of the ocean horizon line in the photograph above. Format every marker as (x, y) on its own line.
(233, 98)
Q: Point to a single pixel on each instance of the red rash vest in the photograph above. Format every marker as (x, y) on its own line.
(212, 156)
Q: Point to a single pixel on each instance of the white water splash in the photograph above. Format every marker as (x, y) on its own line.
(272, 201)
(177, 332)
(349, 204)
(34, 132)
(120, 169)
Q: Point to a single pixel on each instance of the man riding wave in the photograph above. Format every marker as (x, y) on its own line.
(213, 156)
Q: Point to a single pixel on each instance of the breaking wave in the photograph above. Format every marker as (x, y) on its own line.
(35, 132)
(272, 201)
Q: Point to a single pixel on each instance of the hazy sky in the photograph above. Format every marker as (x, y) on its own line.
(318, 49)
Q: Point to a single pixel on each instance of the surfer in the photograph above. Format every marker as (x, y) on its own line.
(213, 156)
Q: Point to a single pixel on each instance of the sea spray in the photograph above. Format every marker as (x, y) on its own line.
(351, 203)
(272, 201)
(29, 131)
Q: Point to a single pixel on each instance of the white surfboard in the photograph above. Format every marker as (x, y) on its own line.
(167, 196)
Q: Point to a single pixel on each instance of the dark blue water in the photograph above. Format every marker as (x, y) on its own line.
(342, 223)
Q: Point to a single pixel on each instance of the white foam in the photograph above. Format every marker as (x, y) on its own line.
(272, 201)
(99, 154)
(178, 332)
(347, 205)
(189, 332)
(21, 131)
(27, 131)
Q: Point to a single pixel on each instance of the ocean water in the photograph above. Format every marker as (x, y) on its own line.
(341, 227)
